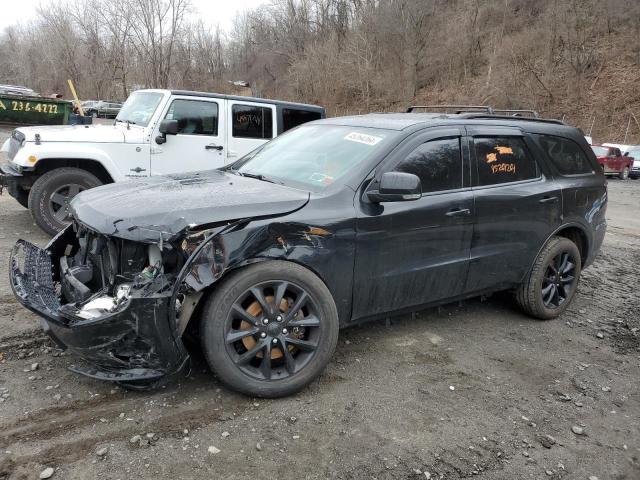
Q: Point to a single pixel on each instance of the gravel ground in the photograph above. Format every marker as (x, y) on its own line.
(471, 389)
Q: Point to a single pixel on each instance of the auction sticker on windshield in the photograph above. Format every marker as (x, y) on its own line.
(362, 138)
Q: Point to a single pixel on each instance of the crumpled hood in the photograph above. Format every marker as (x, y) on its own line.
(75, 133)
(143, 210)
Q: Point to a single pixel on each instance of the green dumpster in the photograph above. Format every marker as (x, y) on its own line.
(18, 110)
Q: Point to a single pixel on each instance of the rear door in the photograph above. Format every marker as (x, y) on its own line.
(199, 144)
(250, 125)
(517, 206)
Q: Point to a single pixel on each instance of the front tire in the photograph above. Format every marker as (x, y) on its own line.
(269, 329)
(552, 282)
(624, 174)
(50, 195)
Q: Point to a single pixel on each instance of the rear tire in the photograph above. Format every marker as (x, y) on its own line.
(50, 195)
(545, 294)
(307, 328)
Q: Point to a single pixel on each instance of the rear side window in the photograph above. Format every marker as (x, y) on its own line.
(566, 155)
(503, 160)
(292, 117)
(437, 163)
(194, 117)
(250, 121)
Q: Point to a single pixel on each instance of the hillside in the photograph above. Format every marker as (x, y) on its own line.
(572, 59)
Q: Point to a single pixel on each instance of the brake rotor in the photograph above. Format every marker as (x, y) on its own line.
(255, 310)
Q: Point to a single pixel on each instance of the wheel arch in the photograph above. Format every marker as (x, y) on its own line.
(90, 165)
(574, 232)
(577, 235)
(210, 263)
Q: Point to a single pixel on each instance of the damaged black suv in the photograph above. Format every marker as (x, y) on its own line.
(336, 222)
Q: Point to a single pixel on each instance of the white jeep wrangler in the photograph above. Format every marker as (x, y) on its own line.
(156, 132)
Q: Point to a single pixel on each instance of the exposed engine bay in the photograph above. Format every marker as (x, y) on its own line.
(99, 274)
(113, 301)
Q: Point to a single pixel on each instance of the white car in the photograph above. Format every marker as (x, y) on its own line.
(157, 132)
(634, 152)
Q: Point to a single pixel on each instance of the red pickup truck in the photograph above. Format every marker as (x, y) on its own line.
(612, 161)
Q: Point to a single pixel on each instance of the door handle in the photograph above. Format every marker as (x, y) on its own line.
(548, 199)
(213, 146)
(138, 169)
(455, 212)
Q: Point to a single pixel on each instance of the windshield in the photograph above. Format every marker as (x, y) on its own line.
(314, 155)
(139, 108)
(600, 151)
(633, 153)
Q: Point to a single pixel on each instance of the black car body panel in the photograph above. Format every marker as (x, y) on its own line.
(375, 258)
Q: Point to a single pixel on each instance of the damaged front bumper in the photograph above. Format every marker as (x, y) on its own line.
(134, 341)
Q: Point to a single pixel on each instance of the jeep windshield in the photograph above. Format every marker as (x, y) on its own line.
(139, 108)
(313, 155)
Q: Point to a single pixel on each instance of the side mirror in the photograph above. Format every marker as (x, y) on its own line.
(167, 127)
(396, 187)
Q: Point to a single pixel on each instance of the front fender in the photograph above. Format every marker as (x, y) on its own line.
(233, 246)
(66, 150)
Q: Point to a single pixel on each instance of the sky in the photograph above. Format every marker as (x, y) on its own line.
(221, 12)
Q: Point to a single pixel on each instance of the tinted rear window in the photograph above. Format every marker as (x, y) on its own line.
(252, 121)
(503, 160)
(566, 155)
(292, 117)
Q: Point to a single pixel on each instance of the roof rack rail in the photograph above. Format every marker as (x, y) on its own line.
(455, 108)
(458, 109)
(480, 116)
(517, 113)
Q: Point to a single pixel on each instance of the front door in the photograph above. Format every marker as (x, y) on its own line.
(250, 125)
(416, 252)
(199, 144)
(518, 205)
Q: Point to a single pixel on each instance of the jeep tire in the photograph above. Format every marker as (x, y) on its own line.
(51, 194)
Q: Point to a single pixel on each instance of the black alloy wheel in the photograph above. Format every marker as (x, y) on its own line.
(552, 281)
(272, 330)
(559, 280)
(269, 329)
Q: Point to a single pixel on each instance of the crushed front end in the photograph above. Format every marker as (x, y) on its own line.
(109, 300)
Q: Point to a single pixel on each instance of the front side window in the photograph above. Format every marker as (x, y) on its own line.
(503, 160)
(437, 163)
(250, 121)
(565, 154)
(194, 117)
(292, 117)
